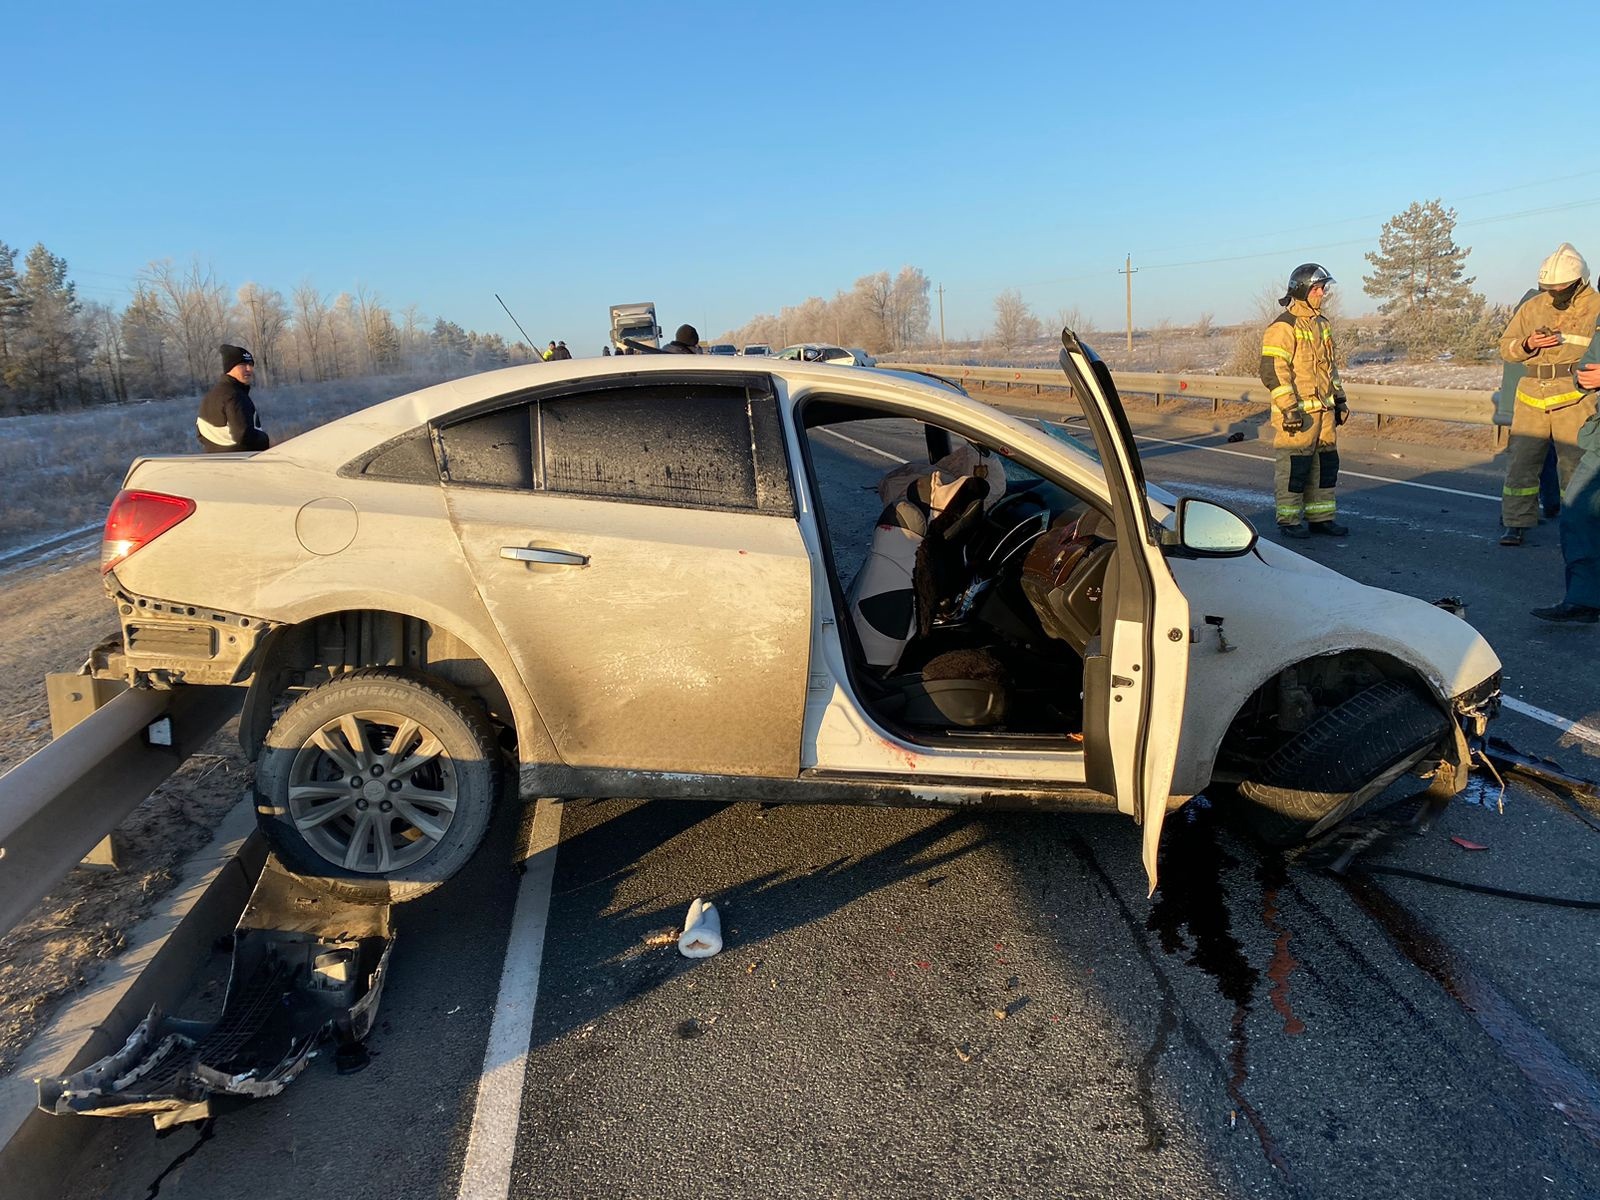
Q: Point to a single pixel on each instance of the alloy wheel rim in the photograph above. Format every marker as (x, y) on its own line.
(372, 791)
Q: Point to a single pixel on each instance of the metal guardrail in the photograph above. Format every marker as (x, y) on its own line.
(1381, 400)
(58, 803)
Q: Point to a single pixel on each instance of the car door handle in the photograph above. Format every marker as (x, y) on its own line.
(561, 558)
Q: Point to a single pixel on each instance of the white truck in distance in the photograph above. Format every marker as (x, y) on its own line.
(634, 323)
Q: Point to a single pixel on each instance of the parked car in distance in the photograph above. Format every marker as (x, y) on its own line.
(668, 583)
(756, 350)
(822, 352)
(726, 348)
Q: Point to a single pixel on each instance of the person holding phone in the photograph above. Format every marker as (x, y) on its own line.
(1550, 331)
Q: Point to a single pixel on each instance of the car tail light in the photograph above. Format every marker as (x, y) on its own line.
(136, 519)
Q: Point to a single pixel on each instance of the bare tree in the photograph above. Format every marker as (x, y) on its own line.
(102, 331)
(876, 295)
(195, 305)
(1014, 322)
(311, 329)
(413, 336)
(912, 310)
(1074, 318)
(344, 338)
(145, 339)
(380, 339)
(264, 317)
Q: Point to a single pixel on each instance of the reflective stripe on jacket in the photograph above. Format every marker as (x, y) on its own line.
(1297, 359)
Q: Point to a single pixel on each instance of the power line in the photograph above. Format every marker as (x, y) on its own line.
(1332, 245)
(1543, 184)
(1527, 212)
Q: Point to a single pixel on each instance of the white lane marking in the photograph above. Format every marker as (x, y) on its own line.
(867, 448)
(1432, 487)
(1242, 496)
(486, 1174)
(1576, 728)
(1144, 437)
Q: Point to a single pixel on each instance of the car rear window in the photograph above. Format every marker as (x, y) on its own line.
(690, 445)
(491, 450)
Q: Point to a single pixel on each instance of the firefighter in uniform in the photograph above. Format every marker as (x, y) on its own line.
(1549, 333)
(1308, 405)
(1580, 513)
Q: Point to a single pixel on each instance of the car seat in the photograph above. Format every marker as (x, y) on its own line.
(914, 567)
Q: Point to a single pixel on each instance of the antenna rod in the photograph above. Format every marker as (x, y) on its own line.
(518, 324)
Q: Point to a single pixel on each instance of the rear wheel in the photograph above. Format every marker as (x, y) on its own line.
(1342, 760)
(377, 786)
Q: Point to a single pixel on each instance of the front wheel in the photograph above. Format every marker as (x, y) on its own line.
(1342, 760)
(377, 786)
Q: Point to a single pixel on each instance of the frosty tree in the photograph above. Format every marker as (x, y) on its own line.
(1014, 322)
(1418, 274)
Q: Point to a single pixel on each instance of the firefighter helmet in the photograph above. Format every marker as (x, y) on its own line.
(1305, 277)
(1562, 269)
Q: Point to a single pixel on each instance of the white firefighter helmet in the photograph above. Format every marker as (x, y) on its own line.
(1564, 267)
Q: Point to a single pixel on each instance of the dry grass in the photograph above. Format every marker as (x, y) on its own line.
(1214, 350)
(61, 470)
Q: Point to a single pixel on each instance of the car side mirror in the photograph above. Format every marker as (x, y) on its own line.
(1213, 530)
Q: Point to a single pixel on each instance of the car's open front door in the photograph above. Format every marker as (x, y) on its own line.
(1136, 670)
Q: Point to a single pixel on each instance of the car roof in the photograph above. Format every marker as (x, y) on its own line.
(335, 443)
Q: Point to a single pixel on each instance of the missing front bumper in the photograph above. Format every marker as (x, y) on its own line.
(307, 968)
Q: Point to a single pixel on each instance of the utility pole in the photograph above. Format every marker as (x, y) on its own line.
(1129, 270)
(941, 323)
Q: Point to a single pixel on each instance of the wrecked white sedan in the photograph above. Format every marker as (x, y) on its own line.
(632, 578)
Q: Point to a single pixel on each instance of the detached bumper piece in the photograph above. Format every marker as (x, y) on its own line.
(307, 968)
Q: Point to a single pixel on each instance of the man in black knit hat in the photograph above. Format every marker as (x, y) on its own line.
(228, 421)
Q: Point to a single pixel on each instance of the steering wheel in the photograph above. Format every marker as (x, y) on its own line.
(1008, 534)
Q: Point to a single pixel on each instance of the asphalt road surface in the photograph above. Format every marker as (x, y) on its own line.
(947, 1004)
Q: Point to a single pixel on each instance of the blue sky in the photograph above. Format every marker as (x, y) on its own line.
(725, 160)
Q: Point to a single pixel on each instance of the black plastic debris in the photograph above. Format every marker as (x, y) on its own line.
(307, 968)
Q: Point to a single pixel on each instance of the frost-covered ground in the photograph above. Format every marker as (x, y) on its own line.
(1213, 353)
(62, 469)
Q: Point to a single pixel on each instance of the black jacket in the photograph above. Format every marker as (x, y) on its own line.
(228, 420)
(676, 347)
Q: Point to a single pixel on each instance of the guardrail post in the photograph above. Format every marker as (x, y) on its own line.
(1380, 422)
(73, 697)
(67, 795)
